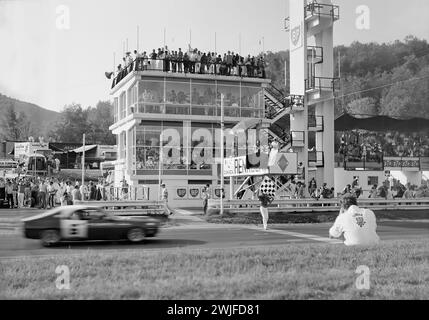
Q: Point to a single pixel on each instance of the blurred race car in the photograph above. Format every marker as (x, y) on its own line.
(81, 223)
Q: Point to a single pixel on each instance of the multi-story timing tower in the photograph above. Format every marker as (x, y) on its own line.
(168, 123)
(310, 26)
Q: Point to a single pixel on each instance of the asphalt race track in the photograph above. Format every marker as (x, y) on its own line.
(194, 234)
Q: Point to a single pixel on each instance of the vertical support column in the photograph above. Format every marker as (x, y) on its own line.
(298, 71)
(128, 154)
(325, 139)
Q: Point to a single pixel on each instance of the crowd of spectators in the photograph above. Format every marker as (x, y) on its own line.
(389, 190)
(192, 61)
(322, 192)
(47, 193)
(371, 146)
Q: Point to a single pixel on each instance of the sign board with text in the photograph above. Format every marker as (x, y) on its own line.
(283, 164)
(401, 163)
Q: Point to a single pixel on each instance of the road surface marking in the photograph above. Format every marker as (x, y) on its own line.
(297, 235)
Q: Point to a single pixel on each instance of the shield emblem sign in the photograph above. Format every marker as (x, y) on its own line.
(194, 192)
(295, 35)
(181, 192)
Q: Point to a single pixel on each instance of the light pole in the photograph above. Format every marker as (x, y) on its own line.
(160, 165)
(222, 128)
(83, 160)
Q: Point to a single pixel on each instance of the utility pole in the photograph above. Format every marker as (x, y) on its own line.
(222, 128)
(160, 165)
(83, 160)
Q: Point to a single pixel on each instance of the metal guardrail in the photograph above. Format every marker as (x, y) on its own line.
(312, 205)
(322, 83)
(319, 10)
(124, 194)
(130, 208)
(243, 70)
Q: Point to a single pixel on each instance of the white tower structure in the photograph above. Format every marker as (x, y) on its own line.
(312, 76)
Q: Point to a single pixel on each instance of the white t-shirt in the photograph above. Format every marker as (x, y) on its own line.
(358, 225)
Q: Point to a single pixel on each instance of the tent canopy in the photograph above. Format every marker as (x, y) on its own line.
(347, 122)
(87, 148)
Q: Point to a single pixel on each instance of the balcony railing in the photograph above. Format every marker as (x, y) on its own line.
(242, 70)
(322, 84)
(199, 110)
(298, 139)
(315, 54)
(322, 10)
(317, 158)
(316, 122)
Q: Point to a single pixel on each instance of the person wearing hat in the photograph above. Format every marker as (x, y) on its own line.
(357, 225)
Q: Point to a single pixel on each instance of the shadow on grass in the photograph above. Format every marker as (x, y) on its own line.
(149, 243)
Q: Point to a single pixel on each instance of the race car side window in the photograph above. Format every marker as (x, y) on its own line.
(94, 215)
(77, 215)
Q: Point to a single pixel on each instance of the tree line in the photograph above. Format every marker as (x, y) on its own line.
(376, 79)
(73, 123)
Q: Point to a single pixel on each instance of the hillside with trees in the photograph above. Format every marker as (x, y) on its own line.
(20, 120)
(376, 79)
(94, 122)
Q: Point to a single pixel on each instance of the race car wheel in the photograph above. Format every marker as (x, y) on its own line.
(50, 237)
(135, 235)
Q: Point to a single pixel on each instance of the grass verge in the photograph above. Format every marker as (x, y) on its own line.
(317, 271)
(309, 217)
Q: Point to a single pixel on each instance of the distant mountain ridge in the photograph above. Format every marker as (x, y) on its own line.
(42, 120)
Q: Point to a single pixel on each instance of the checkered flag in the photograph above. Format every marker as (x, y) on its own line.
(268, 187)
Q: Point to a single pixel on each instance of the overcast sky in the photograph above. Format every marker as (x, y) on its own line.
(53, 67)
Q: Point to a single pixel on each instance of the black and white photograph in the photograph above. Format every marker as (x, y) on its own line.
(214, 157)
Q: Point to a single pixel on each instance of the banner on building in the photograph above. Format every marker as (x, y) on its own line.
(399, 163)
(285, 163)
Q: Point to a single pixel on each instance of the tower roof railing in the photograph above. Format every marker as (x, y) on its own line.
(322, 10)
(242, 70)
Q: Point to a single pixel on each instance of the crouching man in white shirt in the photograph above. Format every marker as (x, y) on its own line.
(357, 225)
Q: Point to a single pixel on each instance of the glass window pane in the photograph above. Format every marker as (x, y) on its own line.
(202, 148)
(177, 97)
(251, 102)
(151, 97)
(203, 98)
(172, 151)
(231, 100)
(147, 158)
